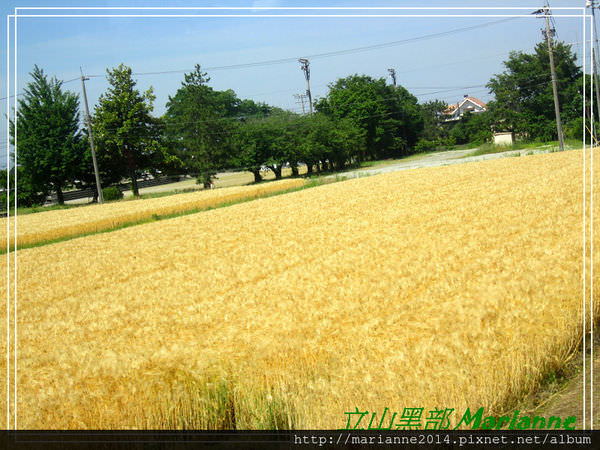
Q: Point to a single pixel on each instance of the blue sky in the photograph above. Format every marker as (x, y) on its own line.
(444, 67)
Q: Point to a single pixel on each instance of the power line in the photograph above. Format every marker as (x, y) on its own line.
(316, 55)
(458, 62)
(440, 90)
(342, 52)
(332, 53)
(23, 93)
(532, 83)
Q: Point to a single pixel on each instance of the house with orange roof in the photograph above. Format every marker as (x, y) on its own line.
(455, 112)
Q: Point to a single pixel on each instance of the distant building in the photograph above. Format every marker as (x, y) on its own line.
(455, 112)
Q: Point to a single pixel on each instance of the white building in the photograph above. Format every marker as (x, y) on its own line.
(455, 112)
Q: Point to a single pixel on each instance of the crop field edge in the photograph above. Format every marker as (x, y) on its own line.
(157, 217)
(553, 382)
(544, 378)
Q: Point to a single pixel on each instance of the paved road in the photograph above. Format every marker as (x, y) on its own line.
(438, 159)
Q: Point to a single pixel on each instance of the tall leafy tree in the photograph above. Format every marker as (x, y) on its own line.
(316, 140)
(128, 137)
(247, 150)
(474, 128)
(524, 101)
(25, 195)
(389, 116)
(249, 108)
(329, 143)
(49, 141)
(198, 123)
(260, 142)
(278, 135)
(433, 116)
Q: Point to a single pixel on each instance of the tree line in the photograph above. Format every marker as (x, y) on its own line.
(204, 131)
(523, 100)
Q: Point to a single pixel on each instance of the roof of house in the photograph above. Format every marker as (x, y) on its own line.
(477, 102)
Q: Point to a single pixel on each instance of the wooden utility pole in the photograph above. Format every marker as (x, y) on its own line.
(301, 98)
(306, 71)
(548, 34)
(393, 75)
(91, 137)
(592, 5)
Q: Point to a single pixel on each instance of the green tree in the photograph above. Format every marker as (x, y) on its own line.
(332, 143)
(433, 115)
(316, 140)
(472, 127)
(247, 108)
(200, 124)
(25, 195)
(128, 137)
(280, 138)
(572, 111)
(50, 149)
(262, 142)
(248, 153)
(390, 117)
(524, 102)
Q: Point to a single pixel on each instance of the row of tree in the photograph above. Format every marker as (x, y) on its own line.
(523, 99)
(204, 130)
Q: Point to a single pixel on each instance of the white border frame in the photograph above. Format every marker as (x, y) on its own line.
(583, 14)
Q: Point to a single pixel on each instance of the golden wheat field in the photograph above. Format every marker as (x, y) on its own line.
(55, 224)
(447, 287)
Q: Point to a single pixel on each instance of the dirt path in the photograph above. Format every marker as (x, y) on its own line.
(437, 159)
(569, 400)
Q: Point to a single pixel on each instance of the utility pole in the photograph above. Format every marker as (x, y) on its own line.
(306, 71)
(548, 33)
(592, 4)
(301, 98)
(393, 75)
(92, 148)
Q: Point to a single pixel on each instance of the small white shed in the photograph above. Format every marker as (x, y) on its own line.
(507, 138)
